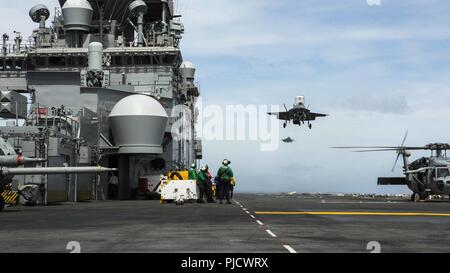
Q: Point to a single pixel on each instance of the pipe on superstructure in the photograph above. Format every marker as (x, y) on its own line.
(138, 9)
(140, 27)
(42, 23)
(5, 47)
(55, 170)
(18, 160)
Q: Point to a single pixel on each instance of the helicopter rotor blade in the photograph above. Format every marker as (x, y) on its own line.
(383, 147)
(377, 150)
(365, 147)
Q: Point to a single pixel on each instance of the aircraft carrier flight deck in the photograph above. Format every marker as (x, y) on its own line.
(252, 224)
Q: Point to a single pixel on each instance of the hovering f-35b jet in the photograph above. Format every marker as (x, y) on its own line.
(299, 114)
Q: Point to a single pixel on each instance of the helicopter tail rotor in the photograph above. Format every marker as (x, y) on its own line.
(400, 151)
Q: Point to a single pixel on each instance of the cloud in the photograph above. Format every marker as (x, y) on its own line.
(393, 104)
(220, 28)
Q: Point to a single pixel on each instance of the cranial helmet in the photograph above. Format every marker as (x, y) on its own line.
(226, 162)
(193, 166)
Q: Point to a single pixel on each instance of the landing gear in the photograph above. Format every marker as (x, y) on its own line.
(310, 126)
(285, 125)
(417, 197)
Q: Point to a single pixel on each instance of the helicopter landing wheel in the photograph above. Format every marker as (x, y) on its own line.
(310, 126)
(416, 197)
(284, 125)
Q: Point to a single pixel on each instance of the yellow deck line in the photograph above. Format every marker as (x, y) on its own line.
(353, 213)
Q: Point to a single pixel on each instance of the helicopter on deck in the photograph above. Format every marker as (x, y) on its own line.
(425, 176)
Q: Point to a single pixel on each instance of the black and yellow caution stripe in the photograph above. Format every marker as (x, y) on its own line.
(10, 197)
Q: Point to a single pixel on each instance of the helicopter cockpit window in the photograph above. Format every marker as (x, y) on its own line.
(443, 172)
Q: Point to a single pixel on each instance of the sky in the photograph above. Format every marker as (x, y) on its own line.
(378, 70)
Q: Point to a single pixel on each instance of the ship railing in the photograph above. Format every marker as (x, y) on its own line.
(66, 120)
(10, 48)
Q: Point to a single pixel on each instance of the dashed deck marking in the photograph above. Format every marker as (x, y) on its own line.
(271, 233)
(290, 249)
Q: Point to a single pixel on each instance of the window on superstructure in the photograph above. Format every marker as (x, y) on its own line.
(40, 61)
(61, 34)
(169, 59)
(18, 64)
(57, 61)
(9, 64)
(142, 60)
(117, 60)
(146, 60)
(72, 61)
(129, 60)
(82, 61)
(137, 60)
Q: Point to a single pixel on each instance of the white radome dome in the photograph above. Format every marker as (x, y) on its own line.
(77, 4)
(187, 65)
(187, 70)
(138, 105)
(138, 124)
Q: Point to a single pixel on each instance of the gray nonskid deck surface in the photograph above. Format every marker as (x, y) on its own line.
(147, 226)
(132, 226)
(343, 233)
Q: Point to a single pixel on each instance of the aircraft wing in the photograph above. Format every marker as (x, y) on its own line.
(313, 116)
(281, 115)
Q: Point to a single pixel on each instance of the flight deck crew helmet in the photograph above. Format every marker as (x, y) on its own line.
(226, 162)
(204, 168)
(193, 166)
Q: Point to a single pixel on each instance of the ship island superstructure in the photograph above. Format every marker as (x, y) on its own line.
(99, 85)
